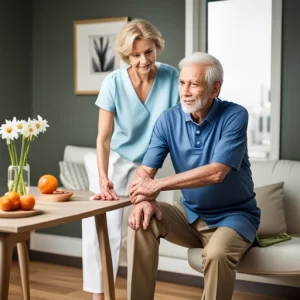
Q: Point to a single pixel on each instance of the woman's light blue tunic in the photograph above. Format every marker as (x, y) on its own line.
(134, 121)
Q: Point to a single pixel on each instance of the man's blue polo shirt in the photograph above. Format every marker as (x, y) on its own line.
(220, 138)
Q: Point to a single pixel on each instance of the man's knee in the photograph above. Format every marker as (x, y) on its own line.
(152, 228)
(218, 255)
(213, 253)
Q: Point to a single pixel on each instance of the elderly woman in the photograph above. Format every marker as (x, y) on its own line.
(131, 99)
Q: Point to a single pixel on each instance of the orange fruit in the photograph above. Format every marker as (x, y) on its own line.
(47, 184)
(15, 198)
(6, 203)
(27, 202)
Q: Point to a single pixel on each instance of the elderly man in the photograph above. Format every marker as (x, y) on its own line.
(207, 141)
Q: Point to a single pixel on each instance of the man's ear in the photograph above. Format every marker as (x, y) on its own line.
(216, 89)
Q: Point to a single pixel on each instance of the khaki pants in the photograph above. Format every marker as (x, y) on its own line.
(223, 248)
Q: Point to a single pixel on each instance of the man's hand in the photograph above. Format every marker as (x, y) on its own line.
(142, 213)
(145, 189)
(107, 191)
(139, 176)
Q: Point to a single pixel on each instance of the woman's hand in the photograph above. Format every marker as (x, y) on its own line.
(107, 191)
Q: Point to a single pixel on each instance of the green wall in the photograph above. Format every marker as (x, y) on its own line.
(36, 74)
(73, 119)
(290, 103)
(15, 70)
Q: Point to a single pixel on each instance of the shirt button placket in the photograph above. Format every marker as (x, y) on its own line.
(197, 137)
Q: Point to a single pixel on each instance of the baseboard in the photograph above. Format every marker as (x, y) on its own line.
(55, 244)
(67, 251)
(76, 262)
(71, 247)
(57, 259)
(284, 292)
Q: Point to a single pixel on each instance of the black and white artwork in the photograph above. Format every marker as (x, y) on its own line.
(102, 53)
(95, 52)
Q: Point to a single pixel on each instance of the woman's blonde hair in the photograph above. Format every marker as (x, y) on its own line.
(137, 29)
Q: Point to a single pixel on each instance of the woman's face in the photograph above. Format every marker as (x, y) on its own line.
(143, 56)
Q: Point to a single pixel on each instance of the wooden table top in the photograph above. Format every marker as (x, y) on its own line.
(56, 213)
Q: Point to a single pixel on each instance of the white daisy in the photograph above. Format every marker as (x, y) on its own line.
(20, 124)
(29, 129)
(41, 124)
(9, 131)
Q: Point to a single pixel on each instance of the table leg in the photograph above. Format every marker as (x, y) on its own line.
(24, 268)
(5, 264)
(107, 269)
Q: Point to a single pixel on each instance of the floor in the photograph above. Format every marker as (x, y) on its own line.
(56, 282)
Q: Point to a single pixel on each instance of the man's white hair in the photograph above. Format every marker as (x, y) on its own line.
(214, 70)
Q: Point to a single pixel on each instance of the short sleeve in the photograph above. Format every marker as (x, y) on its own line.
(158, 147)
(232, 146)
(106, 96)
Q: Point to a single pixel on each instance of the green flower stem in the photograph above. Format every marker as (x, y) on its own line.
(15, 156)
(10, 153)
(22, 187)
(25, 163)
(21, 165)
(14, 162)
(12, 159)
(19, 185)
(27, 151)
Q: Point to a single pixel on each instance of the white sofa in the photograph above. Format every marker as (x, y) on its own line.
(279, 263)
(276, 264)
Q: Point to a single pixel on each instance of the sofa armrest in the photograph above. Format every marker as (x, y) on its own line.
(76, 153)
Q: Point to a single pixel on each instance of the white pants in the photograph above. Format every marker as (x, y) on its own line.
(120, 172)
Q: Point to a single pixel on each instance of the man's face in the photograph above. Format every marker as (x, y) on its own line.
(194, 93)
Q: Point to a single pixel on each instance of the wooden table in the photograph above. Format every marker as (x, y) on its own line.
(13, 231)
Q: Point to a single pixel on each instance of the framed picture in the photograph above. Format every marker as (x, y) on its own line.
(95, 52)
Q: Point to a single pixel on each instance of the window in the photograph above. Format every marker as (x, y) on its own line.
(245, 35)
(241, 40)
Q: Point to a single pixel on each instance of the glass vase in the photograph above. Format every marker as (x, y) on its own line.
(23, 183)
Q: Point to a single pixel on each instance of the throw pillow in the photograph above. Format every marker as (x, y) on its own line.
(73, 176)
(270, 200)
(90, 163)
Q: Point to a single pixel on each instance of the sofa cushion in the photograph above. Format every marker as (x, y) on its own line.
(270, 200)
(169, 249)
(278, 259)
(73, 175)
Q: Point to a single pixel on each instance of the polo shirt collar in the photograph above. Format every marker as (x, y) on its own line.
(211, 116)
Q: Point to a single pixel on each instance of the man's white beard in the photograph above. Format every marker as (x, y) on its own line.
(197, 106)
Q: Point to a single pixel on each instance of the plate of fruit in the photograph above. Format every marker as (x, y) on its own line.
(12, 205)
(48, 185)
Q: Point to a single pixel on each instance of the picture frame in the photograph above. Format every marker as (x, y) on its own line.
(95, 52)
